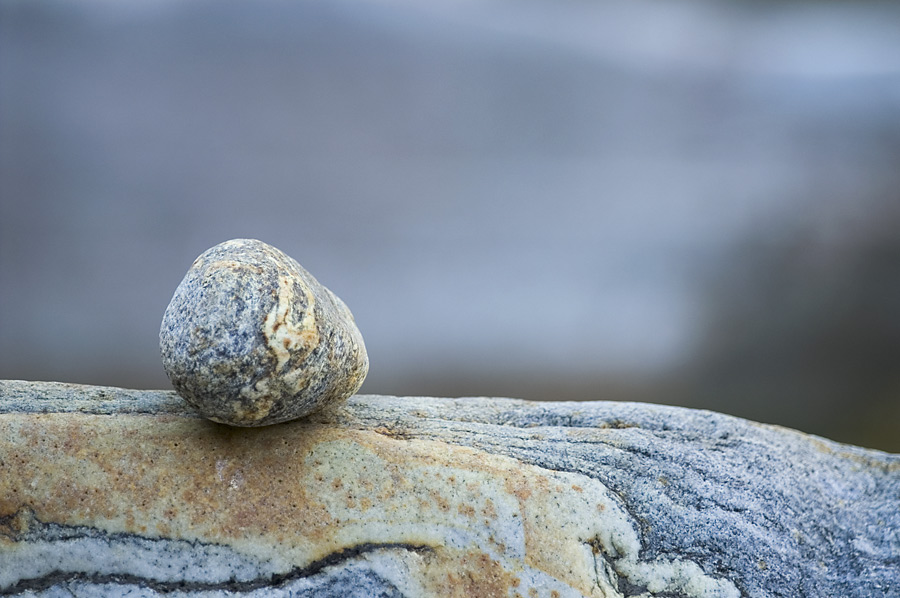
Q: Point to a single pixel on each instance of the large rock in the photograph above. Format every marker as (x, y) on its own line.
(105, 491)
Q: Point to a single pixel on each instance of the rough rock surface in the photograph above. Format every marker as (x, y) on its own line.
(250, 338)
(107, 491)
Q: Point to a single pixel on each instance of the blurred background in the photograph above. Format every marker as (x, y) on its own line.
(694, 204)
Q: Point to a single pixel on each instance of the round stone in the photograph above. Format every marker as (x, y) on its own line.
(250, 338)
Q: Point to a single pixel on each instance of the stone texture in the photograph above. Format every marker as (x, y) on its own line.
(109, 491)
(250, 338)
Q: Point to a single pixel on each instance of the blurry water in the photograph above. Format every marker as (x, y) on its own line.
(671, 202)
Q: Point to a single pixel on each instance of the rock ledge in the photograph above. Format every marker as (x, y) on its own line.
(108, 491)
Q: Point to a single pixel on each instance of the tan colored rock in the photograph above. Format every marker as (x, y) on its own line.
(107, 490)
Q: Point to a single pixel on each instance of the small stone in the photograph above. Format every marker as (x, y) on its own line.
(250, 338)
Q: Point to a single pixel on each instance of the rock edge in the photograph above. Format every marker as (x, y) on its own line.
(113, 490)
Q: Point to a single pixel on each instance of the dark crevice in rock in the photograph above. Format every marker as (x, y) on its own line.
(623, 584)
(165, 587)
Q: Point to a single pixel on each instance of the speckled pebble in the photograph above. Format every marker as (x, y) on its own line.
(250, 338)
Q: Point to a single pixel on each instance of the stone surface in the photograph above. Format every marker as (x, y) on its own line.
(250, 338)
(107, 491)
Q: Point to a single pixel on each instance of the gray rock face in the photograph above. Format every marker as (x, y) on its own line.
(250, 338)
(413, 496)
